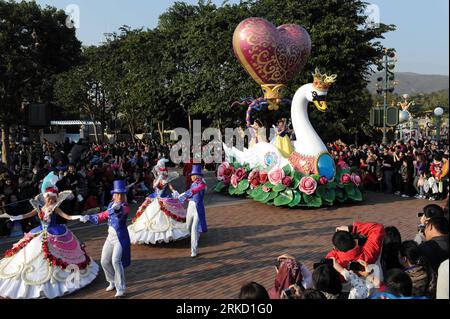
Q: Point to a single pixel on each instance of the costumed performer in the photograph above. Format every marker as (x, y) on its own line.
(49, 261)
(196, 217)
(116, 252)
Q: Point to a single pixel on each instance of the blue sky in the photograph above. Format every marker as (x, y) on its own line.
(421, 39)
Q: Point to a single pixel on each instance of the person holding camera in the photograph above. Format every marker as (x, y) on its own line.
(291, 279)
(424, 216)
(361, 277)
(435, 246)
(360, 241)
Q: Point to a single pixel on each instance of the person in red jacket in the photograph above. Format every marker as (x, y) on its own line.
(348, 248)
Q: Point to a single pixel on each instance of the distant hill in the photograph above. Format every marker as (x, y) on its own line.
(413, 83)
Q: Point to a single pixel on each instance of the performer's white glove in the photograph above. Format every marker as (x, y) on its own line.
(175, 194)
(15, 218)
(84, 219)
(75, 217)
(116, 206)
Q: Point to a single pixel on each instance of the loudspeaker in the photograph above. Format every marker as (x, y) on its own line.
(38, 115)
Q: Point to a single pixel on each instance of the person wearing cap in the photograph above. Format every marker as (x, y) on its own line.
(196, 217)
(116, 253)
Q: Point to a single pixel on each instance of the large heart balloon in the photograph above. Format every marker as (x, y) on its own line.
(271, 55)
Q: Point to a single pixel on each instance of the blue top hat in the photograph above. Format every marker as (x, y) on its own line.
(196, 170)
(119, 187)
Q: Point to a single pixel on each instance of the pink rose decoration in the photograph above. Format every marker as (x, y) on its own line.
(323, 180)
(263, 176)
(287, 181)
(234, 181)
(308, 185)
(266, 189)
(253, 175)
(240, 174)
(276, 176)
(356, 179)
(346, 178)
(221, 170)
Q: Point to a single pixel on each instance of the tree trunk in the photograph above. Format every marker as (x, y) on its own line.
(190, 125)
(5, 145)
(95, 130)
(161, 131)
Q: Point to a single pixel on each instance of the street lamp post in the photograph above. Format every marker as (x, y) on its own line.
(386, 83)
(438, 112)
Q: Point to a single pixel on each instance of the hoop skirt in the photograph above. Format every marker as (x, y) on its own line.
(159, 220)
(47, 262)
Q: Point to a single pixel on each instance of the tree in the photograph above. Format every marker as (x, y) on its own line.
(82, 88)
(35, 44)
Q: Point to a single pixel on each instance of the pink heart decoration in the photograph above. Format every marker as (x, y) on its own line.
(271, 55)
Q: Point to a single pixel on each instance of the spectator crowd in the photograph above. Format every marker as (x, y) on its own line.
(417, 168)
(88, 170)
(369, 261)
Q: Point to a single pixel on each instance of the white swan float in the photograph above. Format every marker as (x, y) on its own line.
(311, 155)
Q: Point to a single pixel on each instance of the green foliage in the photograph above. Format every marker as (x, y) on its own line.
(284, 198)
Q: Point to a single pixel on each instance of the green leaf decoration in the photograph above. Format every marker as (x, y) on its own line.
(332, 185)
(219, 187)
(296, 200)
(262, 197)
(329, 195)
(284, 198)
(350, 189)
(298, 175)
(316, 177)
(231, 190)
(312, 200)
(243, 185)
(272, 196)
(295, 183)
(279, 188)
(287, 170)
(269, 185)
(341, 196)
(356, 196)
(236, 165)
(320, 190)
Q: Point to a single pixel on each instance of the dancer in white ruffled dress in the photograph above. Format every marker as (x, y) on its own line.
(49, 261)
(161, 218)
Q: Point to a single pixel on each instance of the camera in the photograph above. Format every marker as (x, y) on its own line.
(288, 292)
(421, 228)
(420, 214)
(355, 266)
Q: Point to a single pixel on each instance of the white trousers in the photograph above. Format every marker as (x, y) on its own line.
(112, 261)
(192, 224)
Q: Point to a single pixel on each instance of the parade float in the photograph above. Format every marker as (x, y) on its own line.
(307, 175)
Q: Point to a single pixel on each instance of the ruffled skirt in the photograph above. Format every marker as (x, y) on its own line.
(45, 266)
(159, 220)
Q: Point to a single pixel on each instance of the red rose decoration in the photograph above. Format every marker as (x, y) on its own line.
(240, 174)
(287, 181)
(346, 179)
(323, 180)
(254, 183)
(263, 177)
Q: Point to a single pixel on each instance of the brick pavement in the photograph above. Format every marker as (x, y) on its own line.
(242, 244)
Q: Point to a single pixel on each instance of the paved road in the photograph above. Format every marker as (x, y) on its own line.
(242, 244)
